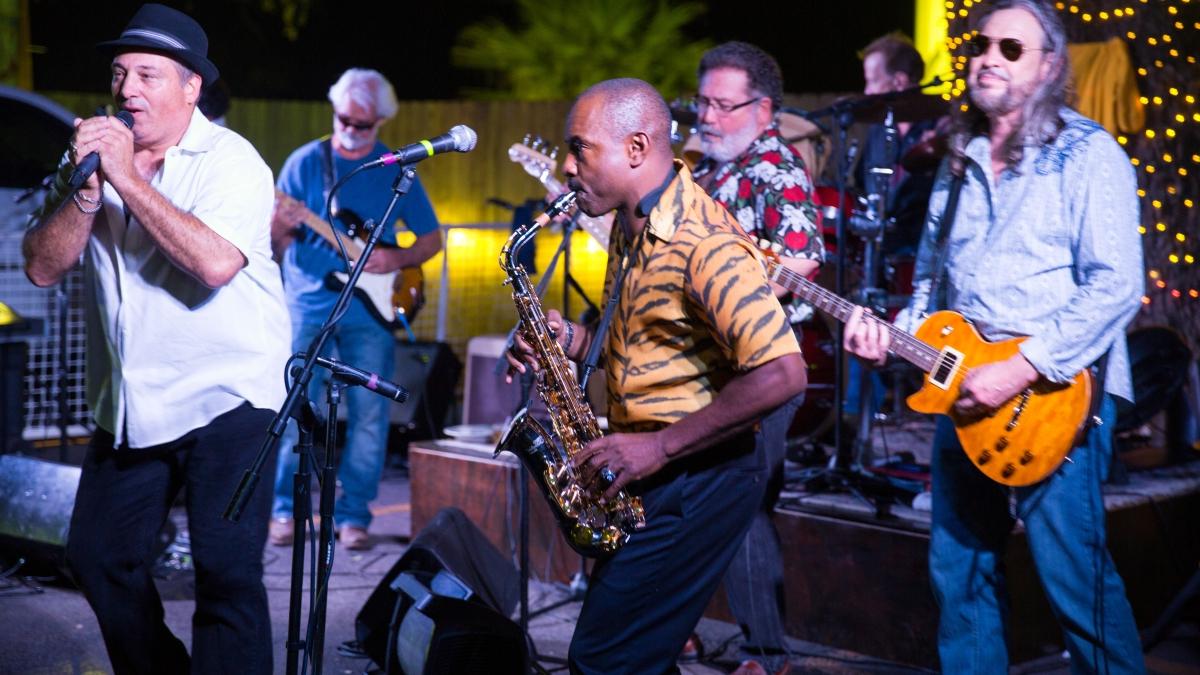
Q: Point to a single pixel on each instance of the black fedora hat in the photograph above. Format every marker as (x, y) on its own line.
(159, 28)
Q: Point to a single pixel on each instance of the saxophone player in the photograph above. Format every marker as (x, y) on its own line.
(698, 350)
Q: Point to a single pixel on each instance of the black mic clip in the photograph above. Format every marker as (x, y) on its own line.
(347, 373)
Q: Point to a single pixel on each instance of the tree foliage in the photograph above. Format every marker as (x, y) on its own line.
(562, 48)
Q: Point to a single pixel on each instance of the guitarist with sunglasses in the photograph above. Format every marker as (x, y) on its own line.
(1042, 243)
(363, 100)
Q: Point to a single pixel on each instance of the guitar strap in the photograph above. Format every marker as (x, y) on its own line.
(328, 175)
(943, 235)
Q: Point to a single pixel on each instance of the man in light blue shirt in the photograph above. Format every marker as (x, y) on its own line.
(1044, 244)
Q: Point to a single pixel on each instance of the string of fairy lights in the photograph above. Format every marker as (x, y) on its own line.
(1172, 104)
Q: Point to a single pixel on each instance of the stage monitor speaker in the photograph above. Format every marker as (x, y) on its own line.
(36, 501)
(475, 627)
(429, 371)
(488, 400)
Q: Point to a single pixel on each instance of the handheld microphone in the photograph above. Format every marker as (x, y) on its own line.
(461, 138)
(351, 375)
(88, 166)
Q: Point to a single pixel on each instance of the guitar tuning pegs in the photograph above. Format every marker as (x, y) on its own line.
(763, 243)
(527, 140)
(778, 248)
(554, 153)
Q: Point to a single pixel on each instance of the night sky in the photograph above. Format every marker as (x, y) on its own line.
(815, 41)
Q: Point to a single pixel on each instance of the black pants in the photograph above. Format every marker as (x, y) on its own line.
(643, 602)
(123, 500)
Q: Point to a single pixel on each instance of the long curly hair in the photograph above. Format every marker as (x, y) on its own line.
(1040, 120)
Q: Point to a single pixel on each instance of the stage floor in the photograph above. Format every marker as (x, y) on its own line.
(53, 631)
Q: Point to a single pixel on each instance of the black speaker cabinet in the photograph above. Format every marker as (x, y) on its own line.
(429, 371)
(36, 501)
(457, 627)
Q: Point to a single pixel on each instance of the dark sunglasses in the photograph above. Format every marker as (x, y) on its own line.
(360, 126)
(1010, 48)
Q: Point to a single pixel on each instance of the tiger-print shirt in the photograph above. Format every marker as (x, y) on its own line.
(695, 310)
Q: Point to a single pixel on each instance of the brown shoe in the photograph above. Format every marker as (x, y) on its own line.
(693, 650)
(354, 538)
(281, 532)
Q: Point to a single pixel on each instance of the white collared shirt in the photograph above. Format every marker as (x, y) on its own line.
(166, 354)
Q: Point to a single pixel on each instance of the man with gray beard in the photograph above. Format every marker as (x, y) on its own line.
(752, 171)
(1044, 244)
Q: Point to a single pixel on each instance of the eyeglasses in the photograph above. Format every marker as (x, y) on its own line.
(355, 124)
(1010, 48)
(722, 107)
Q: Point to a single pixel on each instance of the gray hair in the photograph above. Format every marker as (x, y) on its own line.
(367, 88)
(1040, 121)
(631, 105)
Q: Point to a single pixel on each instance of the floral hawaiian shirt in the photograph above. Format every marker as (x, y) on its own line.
(769, 191)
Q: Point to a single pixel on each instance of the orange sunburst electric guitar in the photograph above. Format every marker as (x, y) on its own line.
(1024, 440)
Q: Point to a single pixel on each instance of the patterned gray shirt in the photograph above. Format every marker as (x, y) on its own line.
(1051, 251)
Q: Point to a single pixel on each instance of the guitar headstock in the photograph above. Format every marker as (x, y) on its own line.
(532, 156)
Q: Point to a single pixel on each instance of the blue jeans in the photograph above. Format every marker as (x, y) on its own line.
(371, 348)
(1064, 525)
(754, 582)
(642, 602)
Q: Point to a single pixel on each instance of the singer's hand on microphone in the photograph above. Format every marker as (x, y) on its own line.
(113, 141)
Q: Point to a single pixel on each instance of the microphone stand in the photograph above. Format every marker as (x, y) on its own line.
(526, 383)
(841, 473)
(250, 478)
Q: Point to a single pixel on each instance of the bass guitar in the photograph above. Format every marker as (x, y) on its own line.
(393, 298)
(542, 167)
(1025, 439)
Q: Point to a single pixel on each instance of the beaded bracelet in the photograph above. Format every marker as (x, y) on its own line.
(570, 334)
(79, 205)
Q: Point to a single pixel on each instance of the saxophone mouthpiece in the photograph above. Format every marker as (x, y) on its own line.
(564, 202)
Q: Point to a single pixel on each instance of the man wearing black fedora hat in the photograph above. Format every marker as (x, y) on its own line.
(173, 229)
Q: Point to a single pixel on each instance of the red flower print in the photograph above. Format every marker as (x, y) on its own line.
(772, 157)
(744, 188)
(795, 194)
(795, 241)
(771, 217)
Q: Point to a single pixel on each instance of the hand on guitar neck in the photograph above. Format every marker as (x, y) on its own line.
(983, 390)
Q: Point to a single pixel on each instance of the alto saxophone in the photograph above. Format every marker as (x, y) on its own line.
(591, 528)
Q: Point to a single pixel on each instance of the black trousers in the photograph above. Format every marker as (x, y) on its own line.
(643, 602)
(123, 500)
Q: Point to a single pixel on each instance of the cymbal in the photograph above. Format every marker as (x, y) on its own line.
(909, 107)
(793, 127)
(926, 155)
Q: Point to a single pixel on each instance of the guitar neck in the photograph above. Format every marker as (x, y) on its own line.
(321, 227)
(903, 344)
